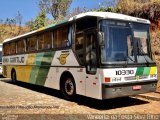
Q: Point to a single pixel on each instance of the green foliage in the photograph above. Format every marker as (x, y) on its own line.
(39, 22)
(108, 9)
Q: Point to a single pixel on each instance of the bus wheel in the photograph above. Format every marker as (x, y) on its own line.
(13, 76)
(68, 88)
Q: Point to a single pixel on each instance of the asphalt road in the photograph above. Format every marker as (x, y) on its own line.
(23, 101)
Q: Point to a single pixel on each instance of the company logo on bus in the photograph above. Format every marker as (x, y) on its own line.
(62, 58)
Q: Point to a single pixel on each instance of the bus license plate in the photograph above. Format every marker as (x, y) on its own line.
(137, 87)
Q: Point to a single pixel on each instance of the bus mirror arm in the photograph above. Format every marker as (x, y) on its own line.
(101, 38)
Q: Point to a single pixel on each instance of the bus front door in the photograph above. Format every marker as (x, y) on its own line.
(91, 64)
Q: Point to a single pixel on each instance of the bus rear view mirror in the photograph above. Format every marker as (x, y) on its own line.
(101, 38)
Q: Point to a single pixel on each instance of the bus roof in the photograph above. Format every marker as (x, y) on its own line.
(102, 15)
(110, 15)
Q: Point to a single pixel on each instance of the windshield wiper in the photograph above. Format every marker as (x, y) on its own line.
(130, 58)
(143, 54)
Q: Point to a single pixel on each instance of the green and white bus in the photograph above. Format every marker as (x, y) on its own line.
(101, 55)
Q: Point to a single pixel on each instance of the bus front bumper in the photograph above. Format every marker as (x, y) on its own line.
(114, 90)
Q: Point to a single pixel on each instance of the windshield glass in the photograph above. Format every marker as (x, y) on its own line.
(124, 42)
(141, 42)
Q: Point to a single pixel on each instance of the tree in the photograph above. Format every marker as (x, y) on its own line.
(11, 22)
(77, 11)
(40, 21)
(55, 7)
(18, 19)
(107, 6)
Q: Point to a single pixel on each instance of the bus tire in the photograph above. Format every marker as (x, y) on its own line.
(14, 76)
(68, 87)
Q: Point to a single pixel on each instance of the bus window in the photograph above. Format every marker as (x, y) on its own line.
(79, 46)
(21, 46)
(32, 44)
(60, 38)
(40, 39)
(47, 40)
(44, 41)
(6, 49)
(90, 52)
(12, 48)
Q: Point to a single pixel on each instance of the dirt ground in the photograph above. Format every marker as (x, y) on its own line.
(158, 86)
(22, 101)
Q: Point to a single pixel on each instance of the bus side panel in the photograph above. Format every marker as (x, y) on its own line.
(26, 70)
(94, 85)
(79, 75)
(53, 78)
(40, 69)
(33, 74)
(22, 72)
(8, 70)
(66, 61)
(42, 75)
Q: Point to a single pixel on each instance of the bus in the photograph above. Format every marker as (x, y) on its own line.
(100, 55)
(0, 58)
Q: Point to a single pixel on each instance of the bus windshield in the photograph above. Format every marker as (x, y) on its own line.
(124, 42)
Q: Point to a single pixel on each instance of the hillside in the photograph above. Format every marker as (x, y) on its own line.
(9, 31)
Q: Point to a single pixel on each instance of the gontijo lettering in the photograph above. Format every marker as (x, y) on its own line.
(17, 60)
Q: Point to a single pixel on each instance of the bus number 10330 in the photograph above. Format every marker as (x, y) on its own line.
(124, 72)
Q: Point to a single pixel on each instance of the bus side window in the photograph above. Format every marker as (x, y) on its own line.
(61, 37)
(69, 40)
(55, 40)
(32, 44)
(21, 46)
(40, 39)
(91, 57)
(12, 48)
(6, 49)
(79, 46)
(47, 40)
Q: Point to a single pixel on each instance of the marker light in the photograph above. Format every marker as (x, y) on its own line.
(107, 79)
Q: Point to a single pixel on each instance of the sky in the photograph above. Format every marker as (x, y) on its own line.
(29, 8)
